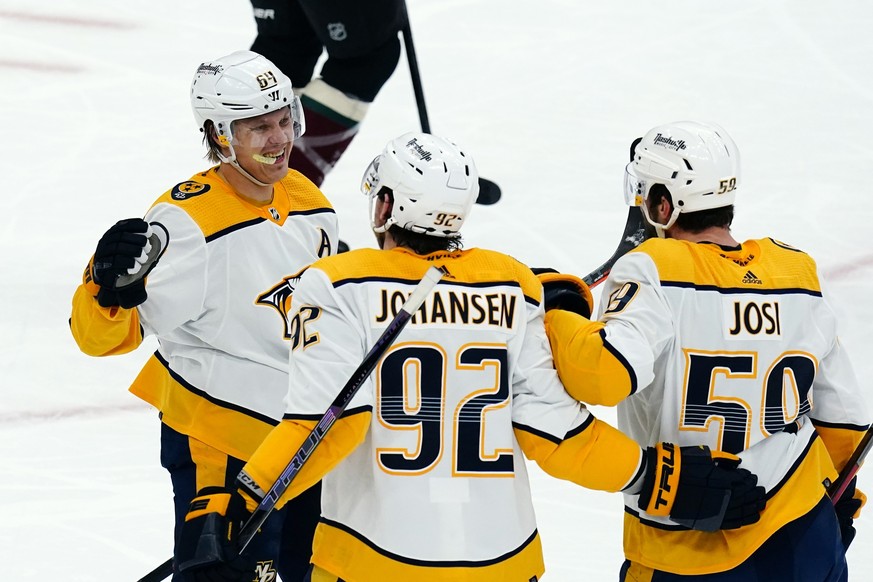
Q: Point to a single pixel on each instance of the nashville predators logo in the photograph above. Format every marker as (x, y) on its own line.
(279, 298)
(264, 572)
(187, 190)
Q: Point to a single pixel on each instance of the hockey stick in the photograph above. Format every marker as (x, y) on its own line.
(635, 232)
(489, 192)
(838, 487)
(343, 399)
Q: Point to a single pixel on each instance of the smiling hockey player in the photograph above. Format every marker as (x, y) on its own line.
(210, 272)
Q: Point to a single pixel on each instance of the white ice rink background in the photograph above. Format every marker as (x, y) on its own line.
(547, 95)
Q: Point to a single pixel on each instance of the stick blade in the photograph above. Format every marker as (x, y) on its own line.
(489, 192)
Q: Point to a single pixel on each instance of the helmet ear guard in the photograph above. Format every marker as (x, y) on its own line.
(698, 163)
(434, 184)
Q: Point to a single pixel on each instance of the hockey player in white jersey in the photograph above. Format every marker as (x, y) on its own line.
(210, 271)
(425, 470)
(705, 340)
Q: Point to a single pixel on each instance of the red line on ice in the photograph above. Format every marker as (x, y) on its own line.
(23, 417)
(66, 20)
(846, 269)
(41, 67)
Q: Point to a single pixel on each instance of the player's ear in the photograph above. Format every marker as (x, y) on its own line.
(660, 203)
(213, 135)
(216, 141)
(386, 205)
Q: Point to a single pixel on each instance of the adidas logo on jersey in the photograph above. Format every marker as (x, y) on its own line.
(751, 279)
(445, 272)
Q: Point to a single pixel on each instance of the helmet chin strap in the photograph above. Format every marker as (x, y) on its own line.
(660, 228)
(231, 159)
(389, 222)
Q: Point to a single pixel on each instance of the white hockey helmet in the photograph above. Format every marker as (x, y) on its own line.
(698, 163)
(241, 85)
(434, 183)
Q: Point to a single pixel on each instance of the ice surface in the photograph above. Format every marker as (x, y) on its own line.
(547, 95)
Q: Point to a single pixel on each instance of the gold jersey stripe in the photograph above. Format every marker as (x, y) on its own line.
(466, 268)
(217, 209)
(346, 554)
(231, 430)
(759, 265)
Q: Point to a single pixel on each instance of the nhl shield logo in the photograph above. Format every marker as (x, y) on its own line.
(337, 31)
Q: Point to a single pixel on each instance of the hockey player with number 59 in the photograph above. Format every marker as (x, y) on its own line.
(725, 344)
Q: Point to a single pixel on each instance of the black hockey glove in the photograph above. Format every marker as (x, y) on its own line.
(563, 291)
(848, 508)
(124, 256)
(207, 549)
(699, 490)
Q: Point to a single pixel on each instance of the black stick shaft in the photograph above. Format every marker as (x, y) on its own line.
(838, 487)
(414, 72)
(489, 192)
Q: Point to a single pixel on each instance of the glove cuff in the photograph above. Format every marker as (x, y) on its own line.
(663, 466)
(250, 490)
(571, 281)
(209, 500)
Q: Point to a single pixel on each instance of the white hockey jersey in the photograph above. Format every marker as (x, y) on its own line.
(732, 348)
(429, 481)
(218, 302)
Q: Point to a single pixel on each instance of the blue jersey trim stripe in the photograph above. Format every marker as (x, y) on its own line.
(741, 290)
(191, 388)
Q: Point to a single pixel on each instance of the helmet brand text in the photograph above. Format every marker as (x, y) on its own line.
(209, 69)
(670, 143)
(425, 155)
